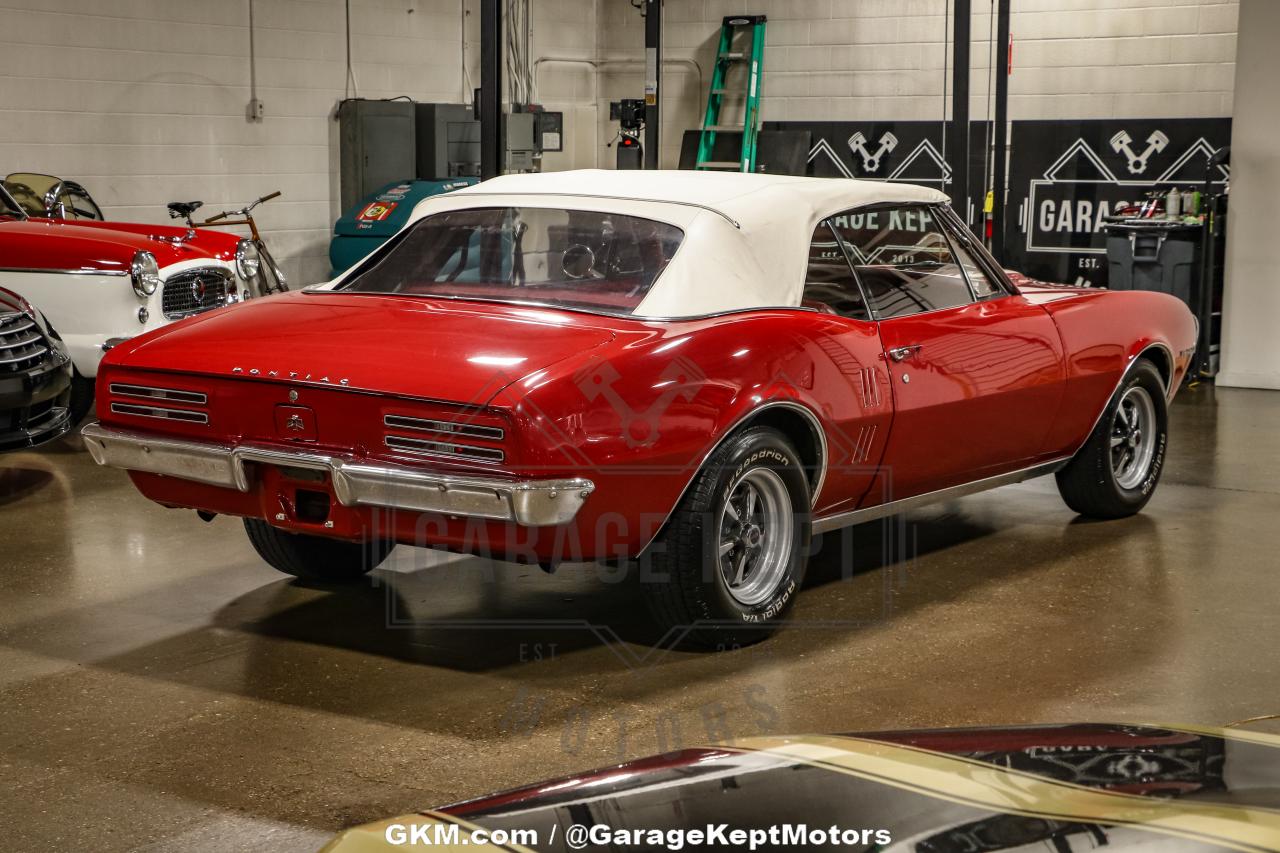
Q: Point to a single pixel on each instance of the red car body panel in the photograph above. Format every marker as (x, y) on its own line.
(634, 405)
(57, 244)
(986, 370)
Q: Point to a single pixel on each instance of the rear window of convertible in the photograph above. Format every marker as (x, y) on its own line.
(570, 258)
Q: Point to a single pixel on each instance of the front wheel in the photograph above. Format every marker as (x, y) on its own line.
(728, 564)
(315, 557)
(1117, 470)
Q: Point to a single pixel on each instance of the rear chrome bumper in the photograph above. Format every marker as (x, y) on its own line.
(531, 503)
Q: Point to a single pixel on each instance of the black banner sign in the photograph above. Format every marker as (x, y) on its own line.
(1065, 177)
(913, 152)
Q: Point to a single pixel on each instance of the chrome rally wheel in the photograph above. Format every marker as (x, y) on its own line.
(728, 565)
(757, 526)
(1116, 471)
(1133, 437)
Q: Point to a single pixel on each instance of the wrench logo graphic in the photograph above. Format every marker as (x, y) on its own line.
(871, 159)
(1122, 143)
(679, 380)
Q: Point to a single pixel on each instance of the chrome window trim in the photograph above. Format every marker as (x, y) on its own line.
(974, 247)
(160, 413)
(940, 218)
(176, 395)
(442, 427)
(530, 503)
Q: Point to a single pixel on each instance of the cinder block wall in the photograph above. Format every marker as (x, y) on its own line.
(887, 59)
(144, 100)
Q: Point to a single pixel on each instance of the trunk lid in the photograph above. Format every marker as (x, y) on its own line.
(403, 346)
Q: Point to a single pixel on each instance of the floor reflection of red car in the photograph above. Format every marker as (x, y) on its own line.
(697, 370)
(946, 791)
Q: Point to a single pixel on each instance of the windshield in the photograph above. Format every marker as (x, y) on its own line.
(8, 205)
(29, 190)
(570, 258)
(34, 192)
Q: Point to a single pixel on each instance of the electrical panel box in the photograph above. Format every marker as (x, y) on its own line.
(377, 145)
(448, 142)
(523, 152)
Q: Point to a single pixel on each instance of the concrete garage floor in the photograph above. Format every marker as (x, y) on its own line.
(162, 689)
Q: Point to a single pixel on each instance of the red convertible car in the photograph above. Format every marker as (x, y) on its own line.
(697, 370)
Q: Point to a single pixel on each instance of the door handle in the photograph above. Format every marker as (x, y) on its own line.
(904, 353)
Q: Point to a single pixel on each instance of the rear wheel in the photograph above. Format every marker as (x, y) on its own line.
(315, 557)
(1116, 472)
(728, 565)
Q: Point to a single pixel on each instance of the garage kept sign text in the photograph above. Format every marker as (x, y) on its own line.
(1065, 177)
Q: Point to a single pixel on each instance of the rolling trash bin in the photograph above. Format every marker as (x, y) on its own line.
(1156, 256)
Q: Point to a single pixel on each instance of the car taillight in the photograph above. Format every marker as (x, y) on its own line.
(148, 401)
(461, 440)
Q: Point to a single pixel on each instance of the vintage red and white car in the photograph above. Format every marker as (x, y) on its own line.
(100, 283)
(700, 371)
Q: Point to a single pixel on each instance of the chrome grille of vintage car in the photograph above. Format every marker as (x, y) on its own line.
(461, 440)
(196, 291)
(146, 401)
(22, 344)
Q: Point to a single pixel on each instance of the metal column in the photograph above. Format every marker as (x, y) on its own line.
(1001, 144)
(492, 144)
(652, 79)
(959, 153)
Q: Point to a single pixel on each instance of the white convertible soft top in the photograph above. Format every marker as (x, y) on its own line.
(746, 239)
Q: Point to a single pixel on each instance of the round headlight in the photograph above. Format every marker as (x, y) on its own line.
(145, 274)
(248, 261)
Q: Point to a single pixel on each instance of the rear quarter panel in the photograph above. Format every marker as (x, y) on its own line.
(640, 416)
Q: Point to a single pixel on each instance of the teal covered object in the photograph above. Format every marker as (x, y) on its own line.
(370, 223)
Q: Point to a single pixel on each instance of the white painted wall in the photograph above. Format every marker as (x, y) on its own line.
(1251, 306)
(850, 60)
(144, 100)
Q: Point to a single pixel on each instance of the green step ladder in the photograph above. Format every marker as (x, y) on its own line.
(731, 53)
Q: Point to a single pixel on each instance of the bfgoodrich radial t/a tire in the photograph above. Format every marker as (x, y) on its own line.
(1117, 470)
(315, 557)
(729, 563)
